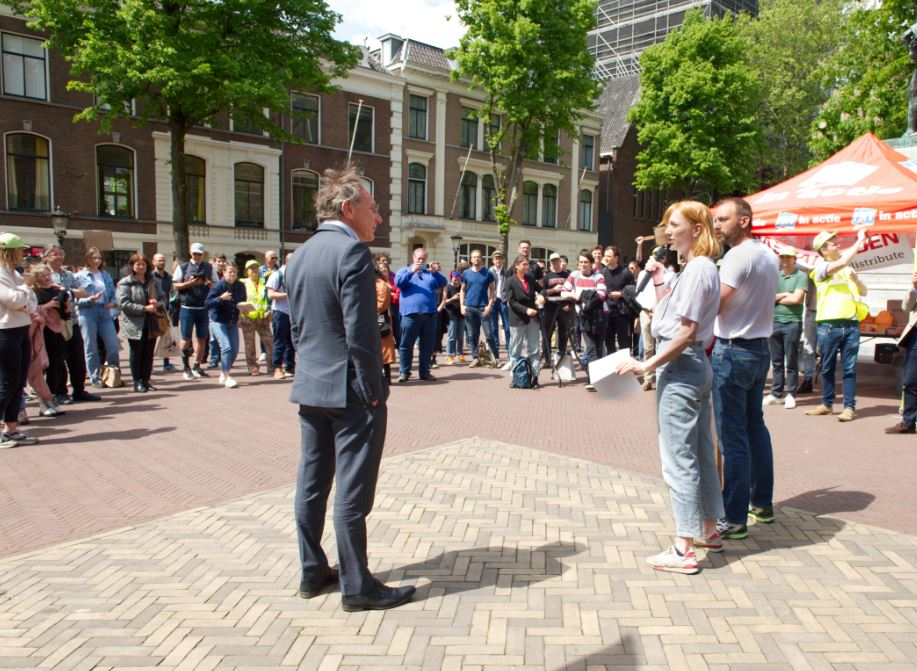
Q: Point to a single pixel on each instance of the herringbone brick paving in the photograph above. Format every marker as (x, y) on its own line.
(523, 560)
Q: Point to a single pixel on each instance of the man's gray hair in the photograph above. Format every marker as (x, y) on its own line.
(338, 187)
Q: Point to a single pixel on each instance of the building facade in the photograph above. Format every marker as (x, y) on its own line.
(626, 27)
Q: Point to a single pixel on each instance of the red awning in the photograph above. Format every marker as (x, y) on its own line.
(867, 183)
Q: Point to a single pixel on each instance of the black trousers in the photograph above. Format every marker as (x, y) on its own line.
(56, 372)
(75, 354)
(141, 356)
(343, 443)
(555, 318)
(618, 332)
(15, 350)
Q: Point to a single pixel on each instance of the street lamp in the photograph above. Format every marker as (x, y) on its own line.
(59, 221)
(456, 239)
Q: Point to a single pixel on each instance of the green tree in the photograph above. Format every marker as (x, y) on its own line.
(696, 115)
(868, 78)
(790, 41)
(186, 61)
(531, 60)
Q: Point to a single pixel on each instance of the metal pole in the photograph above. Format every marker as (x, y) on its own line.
(356, 125)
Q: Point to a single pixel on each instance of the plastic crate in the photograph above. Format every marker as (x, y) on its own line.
(885, 352)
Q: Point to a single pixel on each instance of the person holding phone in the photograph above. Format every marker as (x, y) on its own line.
(418, 285)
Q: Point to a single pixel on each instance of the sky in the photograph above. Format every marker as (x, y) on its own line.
(421, 20)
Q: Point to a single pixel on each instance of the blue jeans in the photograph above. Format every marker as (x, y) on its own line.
(422, 325)
(474, 320)
(214, 348)
(500, 311)
(228, 337)
(839, 336)
(910, 385)
(526, 337)
(686, 440)
(739, 374)
(96, 322)
(784, 345)
(455, 338)
(283, 354)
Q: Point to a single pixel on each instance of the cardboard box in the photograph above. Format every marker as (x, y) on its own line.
(899, 318)
(894, 331)
(893, 305)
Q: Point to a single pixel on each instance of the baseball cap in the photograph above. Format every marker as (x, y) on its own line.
(787, 251)
(822, 238)
(250, 263)
(496, 254)
(10, 241)
(197, 248)
(554, 257)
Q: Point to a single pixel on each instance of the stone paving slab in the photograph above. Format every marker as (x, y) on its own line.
(523, 560)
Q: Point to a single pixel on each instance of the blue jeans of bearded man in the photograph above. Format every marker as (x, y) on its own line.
(839, 336)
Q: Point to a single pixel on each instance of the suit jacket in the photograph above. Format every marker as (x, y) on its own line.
(331, 285)
(519, 300)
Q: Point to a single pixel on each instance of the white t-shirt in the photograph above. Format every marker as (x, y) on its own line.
(695, 296)
(647, 297)
(751, 269)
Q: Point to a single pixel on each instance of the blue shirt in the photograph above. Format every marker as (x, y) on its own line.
(476, 283)
(418, 290)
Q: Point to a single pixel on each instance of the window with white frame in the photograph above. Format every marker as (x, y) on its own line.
(417, 188)
(305, 187)
(488, 198)
(540, 254)
(417, 117)
(469, 127)
(585, 210)
(587, 152)
(249, 193)
(529, 204)
(246, 123)
(487, 251)
(24, 67)
(28, 174)
(360, 130)
(549, 206)
(195, 181)
(115, 167)
(306, 117)
(468, 196)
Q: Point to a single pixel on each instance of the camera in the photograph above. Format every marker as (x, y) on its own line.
(62, 296)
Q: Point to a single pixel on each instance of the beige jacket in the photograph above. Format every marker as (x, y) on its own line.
(17, 301)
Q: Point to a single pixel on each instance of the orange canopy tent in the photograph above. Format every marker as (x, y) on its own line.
(867, 183)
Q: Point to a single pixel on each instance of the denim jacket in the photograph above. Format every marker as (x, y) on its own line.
(84, 278)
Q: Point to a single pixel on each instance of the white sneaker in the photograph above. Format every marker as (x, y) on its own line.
(505, 366)
(230, 382)
(222, 378)
(790, 402)
(770, 399)
(262, 358)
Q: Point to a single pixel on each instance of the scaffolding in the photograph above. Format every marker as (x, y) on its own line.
(627, 27)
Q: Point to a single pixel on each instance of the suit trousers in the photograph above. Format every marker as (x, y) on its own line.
(345, 443)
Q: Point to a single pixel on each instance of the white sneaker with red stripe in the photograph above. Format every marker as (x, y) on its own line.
(712, 543)
(673, 561)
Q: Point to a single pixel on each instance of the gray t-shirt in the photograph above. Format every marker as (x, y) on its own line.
(274, 282)
(695, 296)
(751, 269)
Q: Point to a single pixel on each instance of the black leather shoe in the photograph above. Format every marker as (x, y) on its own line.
(311, 588)
(138, 386)
(379, 597)
(805, 387)
(428, 377)
(86, 396)
(149, 387)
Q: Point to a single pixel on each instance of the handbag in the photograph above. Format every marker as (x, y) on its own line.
(161, 323)
(384, 327)
(110, 376)
(66, 329)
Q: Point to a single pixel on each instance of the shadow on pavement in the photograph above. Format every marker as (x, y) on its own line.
(625, 654)
(131, 434)
(830, 500)
(485, 567)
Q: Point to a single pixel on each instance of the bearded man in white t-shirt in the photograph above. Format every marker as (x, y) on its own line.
(741, 358)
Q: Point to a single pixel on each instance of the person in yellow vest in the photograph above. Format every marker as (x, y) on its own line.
(257, 320)
(837, 314)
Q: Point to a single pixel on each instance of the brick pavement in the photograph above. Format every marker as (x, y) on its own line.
(523, 560)
(137, 457)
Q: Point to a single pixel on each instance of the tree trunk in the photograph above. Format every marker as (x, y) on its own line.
(177, 130)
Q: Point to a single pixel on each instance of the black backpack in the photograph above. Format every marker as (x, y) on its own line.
(523, 375)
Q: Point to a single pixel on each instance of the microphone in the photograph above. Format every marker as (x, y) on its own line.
(660, 255)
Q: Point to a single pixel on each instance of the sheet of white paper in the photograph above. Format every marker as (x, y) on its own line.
(609, 385)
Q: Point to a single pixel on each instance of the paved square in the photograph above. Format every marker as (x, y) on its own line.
(523, 560)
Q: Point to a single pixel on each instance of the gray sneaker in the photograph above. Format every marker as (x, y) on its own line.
(19, 438)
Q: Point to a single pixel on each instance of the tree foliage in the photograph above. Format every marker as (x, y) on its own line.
(696, 114)
(188, 60)
(868, 77)
(790, 42)
(531, 60)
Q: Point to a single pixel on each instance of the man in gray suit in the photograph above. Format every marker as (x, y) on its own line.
(340, 391)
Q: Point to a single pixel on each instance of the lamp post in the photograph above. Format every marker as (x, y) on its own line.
(59, 221)
(456, 239)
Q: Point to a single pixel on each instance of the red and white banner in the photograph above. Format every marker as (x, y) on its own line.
(879, 250)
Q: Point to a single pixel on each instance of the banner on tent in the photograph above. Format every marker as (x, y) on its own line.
(879, 251)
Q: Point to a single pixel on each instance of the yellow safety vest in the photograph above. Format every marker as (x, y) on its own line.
(254, 294)
(837, 297)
